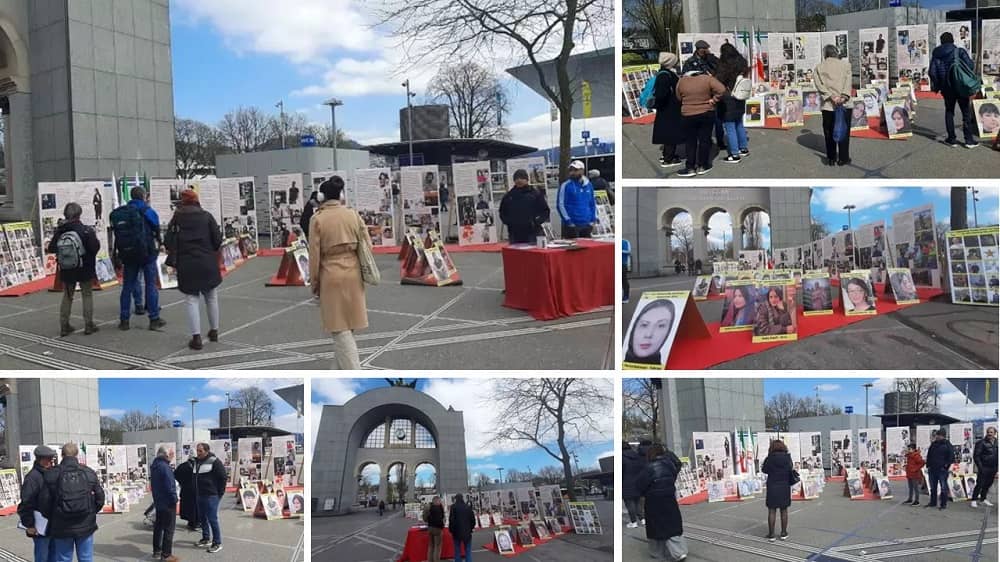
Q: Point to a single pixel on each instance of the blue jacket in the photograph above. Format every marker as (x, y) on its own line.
(576, 202)
(162, 484)
(940, 68)
(626, 253)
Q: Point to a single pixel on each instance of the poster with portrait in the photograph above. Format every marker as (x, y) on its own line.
(775, 316)
(702, 286)
(285, 461)
(209, 196)
(652, 329)
(855, 487)
(903, 289)
(753, 113)
(915, 245)
(94, 197)
(781, 59)
(808, 55)
(20, 257)
(686, 41)
(811, 102)
(817, 294)
(987, 117)
(870, 448)
(990, 48)
(420, 198)
(373, 201)
(239, 208)
(973, 265)
(504, 544)
(738, 306)
(772, 105)
(871, 101)
(474, 198)
(913, 56)
(897, 118)
(961, 437)
(837, 39)
(634, 80)
(884, 487)
(272, 506)
(896, 440)
(535, 166)
(285, 202)
(250, 453)
(753, 260)
(791, 111)
(874, 54)
(841, 451)
(712, 456)
(870, 248)
(811, 450)
(857, 293)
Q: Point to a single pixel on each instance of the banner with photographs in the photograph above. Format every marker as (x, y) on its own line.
(97, 201)
(896, 440)
(209, 196)
(837, 39)
(753, 260)
(420, 198)
(738, 306)
(712, 455)
(915, 244)
(811, 450)
(808, 55)
(781, 60)
(653, 328)
(20, 258)
(746, 444)
(775, 317)
(137, 459)
(250, 455)
(165, 197)
(990, 48)
(817, 294)
(373, 201)
(686, 41)
(474, 198)
(913, 56)
(973, 265)
(870, 448)
(535, 166)
(961, 437)
(239, 209)
(874, 54)
(857, 293)
(634, 79)
(285, 196)
(285, 461)
(960, 30)
(605, 225)
(870, 242)
(841, 451)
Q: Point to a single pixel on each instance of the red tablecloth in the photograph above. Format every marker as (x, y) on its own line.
(417, 540)
(554, 283)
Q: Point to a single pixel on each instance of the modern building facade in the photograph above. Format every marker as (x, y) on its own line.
(389, 427)
(86, 90)
(689, 405)
(721, 16)
(50, 412)
(648, 215)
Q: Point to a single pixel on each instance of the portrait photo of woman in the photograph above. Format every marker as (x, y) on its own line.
(902, 286)
(738, 307)
(859, 118)
(775, 312)
(651, 333)
(899, 119)
(858, 295)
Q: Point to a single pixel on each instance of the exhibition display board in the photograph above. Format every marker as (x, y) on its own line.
(870, 248)
(97, 201)
(285, 200)
(913, 56)
(250, 455)
(20, 257)
(474, 199)
(974, 265)
(874, 54)
(914, 244)
(239, 209)
(896, 441)
(659, 318)
(990, 48)
(10, 490)
(870, 448)
(605, 225)
(712, 456)
(209, 197)
(634, 79)
(535, 166)
(373, 201)
(841, 452)
(420, 198)
(961, 437)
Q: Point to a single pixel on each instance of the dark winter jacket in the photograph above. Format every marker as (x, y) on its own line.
(461, 521)
(657, 483)
(194, 239)
(434, 516)
(523, 210)
(601, 184)
(940, 455)
(576, 204)
(31, 496)
(307, 213)
(162, 484)
(940, 69)
(667, 126)
(632, 466)
(707, 64)
(210, 477)
(91, 246)
(778, 467)
(189, 494)
(78, 527)
(984, 455)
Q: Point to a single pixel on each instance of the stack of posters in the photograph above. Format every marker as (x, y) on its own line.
(634, 79)
(285, 200)
(474, 199)
(775, 316)
(20, 257)
(973, 265)
(420, 198)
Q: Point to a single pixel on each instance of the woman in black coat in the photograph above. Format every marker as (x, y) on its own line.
(778, 467)
(667, 126)
(189, 494)
(193, 242)
(657, 483)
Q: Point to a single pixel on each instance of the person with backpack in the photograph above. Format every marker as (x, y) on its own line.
(76, 496)
(31, 496)
(952, 75)
(210, 485)
(833, 81)
(164, 490)
(662, 98)
(136, 227)
(193, 240)
(75, 246)
(732, 71)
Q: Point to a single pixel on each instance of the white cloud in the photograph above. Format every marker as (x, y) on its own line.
(205, 423)
(214, 398)
(722, 227)
(951, 401)
(833, 199)
(939, 190)
(335, 391)
(828, 387)
(112, 412)
(536, 130)
(884, 207)
(175, 412)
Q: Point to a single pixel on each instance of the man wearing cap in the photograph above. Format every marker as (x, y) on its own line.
(32, 503)
(576, 204)
(523, 209)
(940, 455)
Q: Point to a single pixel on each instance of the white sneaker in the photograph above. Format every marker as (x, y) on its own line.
(632, 525)
(642, 522)
(973, 504)
(987, 503)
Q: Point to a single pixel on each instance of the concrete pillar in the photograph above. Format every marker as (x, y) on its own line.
(700, 241)
(21, 191)
(13, 440)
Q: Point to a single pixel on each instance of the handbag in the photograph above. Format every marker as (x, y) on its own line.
(366, 259)
(840, 129)
(793, 478)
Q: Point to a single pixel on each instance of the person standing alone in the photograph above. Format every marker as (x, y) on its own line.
(164, 490)
(940, 454)
(985, 457)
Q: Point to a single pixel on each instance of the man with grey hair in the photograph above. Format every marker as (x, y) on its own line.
(32, 504)
(164, 490)
(76, 497)
(75, 246)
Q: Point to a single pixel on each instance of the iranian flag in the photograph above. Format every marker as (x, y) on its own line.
(758, 57)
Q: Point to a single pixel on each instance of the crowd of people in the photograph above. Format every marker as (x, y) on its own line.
(650, 472)
(60, 502)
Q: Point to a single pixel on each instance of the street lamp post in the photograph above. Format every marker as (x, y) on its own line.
(409, 116)
(867, 385)
(500, 470)
(281, 108)
(333, 103)
(229, 410)
(850, 229)
(193, 401)
(975, 212)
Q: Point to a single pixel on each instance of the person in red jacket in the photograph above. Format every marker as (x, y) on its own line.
(914, 462)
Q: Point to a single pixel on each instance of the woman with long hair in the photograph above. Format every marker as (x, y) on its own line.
(778, 467)
(859, 294)
(773, 316)
(900, 120)
(739, 307)
(732, 66)
(650, 331)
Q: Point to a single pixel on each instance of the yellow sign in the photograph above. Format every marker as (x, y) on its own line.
(587, 107)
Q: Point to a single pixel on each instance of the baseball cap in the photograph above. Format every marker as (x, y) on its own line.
(577, 165)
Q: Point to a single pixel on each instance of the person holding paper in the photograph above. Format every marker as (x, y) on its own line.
(32, 511)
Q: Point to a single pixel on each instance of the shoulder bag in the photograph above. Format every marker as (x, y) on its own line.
(366, 259)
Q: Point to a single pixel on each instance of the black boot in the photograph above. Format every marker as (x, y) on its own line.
(195, 342)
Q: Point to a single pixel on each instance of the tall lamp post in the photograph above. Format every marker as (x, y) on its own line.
(867, 385)
(500, 470)
(975, 212)
(281, 108)
(850, 229)
(229, 410)
(333, 103)
(409, 116)
(193, 401)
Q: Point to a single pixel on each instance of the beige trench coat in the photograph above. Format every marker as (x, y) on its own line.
(833, 78)
(334, 271)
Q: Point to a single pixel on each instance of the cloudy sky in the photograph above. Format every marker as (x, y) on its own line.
(473, 398)
(228, 53)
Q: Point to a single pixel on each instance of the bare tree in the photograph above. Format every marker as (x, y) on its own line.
(550, 474)
(476, 100)
(246, 129)
(554, 415)
(482, 480)
(196, 145)
(661, 19)
(257, 404)
(753, 231)
(784, 406)
(818, 230)
(133, 420)
(642, 403)
(111, 430)
(463, 29)
(925, 390)
(683, 240)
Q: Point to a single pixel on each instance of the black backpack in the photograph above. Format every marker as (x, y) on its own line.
(73, 498)
(132, 235)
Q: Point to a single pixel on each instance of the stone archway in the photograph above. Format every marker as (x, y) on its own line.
(671, 234)
(745, 228)
(425, 479)
(369, 482)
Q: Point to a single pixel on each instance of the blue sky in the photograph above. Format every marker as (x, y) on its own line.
(471, 397)
(227, 53)
(850, 392)
(171, 396)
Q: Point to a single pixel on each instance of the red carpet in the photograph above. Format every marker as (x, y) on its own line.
(701, 353)
(644, 120)
(42, 284)
(271, 252)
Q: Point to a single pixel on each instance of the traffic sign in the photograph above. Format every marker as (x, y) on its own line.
(585, 134)
(848, 409)
(307, 140)
(177, 423)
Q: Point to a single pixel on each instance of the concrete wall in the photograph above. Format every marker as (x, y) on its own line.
(689, 405)
(824, 424)
(19, 148)
(56, 411)
(720, 16)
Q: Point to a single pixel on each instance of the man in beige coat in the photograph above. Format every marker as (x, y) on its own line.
(335, 273)
(833, 80)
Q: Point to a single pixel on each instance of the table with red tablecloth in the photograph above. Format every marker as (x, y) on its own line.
(417, 540)
(550, 283)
